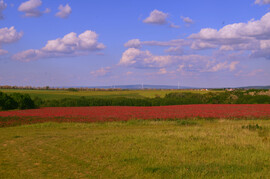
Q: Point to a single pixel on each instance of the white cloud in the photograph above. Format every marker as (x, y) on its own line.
(238, 32)
(223, 66)
(265, 44)
(204, 64)
(144, 59)
(253, 36)
(29, 55)
(64, 11)
(3, 6)
(30, 8)
(137, 58)
(234, 43)
(159, 18)
(156, 17)
(101, 72)
(262, 2)
(8, 35)
(187, 20)
(134, 43)
(69, 45)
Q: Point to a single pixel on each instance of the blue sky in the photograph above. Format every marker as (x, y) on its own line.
(102, 42)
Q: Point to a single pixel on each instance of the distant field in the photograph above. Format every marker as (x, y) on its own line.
(124, 113)
(137, 149)
(59, 94)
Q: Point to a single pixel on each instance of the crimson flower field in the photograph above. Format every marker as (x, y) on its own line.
(124, 113)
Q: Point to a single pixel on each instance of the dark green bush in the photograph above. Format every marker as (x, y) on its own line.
(6, 102)
(24, 101)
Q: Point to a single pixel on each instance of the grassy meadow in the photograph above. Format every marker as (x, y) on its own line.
(137, 149)
(60, 94)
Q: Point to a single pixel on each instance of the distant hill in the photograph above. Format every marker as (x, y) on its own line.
(137, 86)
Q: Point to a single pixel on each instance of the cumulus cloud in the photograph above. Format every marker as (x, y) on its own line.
(253, 36)
(101, 72)
(70, 45)
(30, 8)
(223, 66)
(187, 20)
(144, 59)
(64, 11)
(238, 32)
(156, 17)
(136, 58)
(3, 6)
(8, 35)
(159, 18)
(232, 43)
(206, 65)
(262, 2)
(134, 43)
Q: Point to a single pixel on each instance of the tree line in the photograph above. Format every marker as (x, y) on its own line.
(23, 101)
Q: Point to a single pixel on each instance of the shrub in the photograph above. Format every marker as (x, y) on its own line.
(6, 102)
(24, 101)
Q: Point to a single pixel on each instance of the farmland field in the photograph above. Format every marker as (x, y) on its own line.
(124, 113)
(178, 141)
(60, 94)
(137, 149)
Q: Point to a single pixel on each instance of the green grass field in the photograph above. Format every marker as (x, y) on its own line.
(59, 94)
(137, 149)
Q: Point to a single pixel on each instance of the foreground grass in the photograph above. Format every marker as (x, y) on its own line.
(137, 149)
(60, 94)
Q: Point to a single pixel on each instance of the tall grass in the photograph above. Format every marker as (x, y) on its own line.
(137, 149)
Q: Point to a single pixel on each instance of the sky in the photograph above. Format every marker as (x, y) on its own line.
(210, 43)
